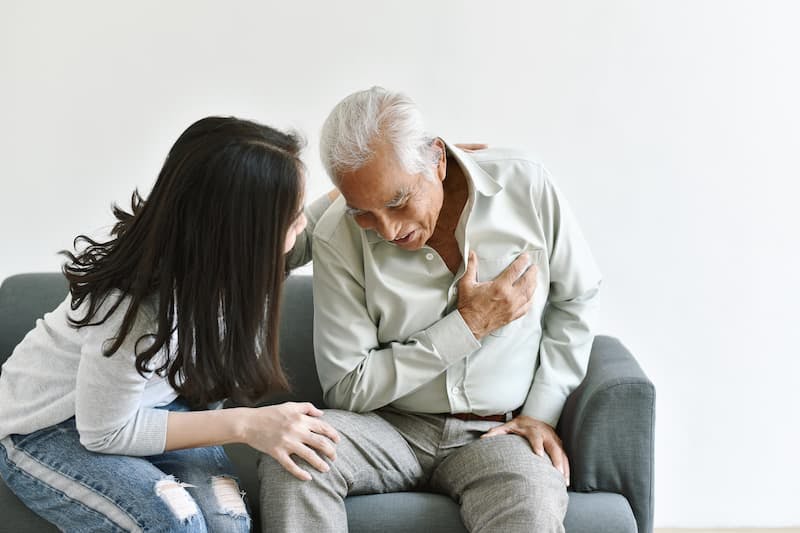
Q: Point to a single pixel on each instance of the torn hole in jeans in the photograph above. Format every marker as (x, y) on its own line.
(177, 498)
(229, 496)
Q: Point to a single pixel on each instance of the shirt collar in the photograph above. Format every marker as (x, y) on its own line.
(483, 182)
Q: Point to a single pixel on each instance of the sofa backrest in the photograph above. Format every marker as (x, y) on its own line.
(24, 298)
(297, 342)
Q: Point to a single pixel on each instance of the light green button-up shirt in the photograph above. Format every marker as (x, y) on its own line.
(386, 326)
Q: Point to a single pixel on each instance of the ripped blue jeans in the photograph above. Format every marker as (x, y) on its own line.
(77, 490)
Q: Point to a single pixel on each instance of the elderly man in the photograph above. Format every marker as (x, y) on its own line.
(451, 293)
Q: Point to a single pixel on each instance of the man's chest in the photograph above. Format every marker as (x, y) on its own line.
(408, 291)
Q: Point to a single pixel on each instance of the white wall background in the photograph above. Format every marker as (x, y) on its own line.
(672, 126)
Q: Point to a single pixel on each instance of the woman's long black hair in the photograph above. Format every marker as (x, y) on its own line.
(208, 244)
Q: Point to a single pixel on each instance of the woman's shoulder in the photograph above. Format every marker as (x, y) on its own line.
(111, 308)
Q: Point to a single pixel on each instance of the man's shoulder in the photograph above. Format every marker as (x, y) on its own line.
(336, 229)
(511, 166)
(500, 155)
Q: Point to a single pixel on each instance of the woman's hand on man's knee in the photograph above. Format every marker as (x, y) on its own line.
(292, 429)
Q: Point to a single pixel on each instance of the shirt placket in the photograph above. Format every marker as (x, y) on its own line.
(456, 374)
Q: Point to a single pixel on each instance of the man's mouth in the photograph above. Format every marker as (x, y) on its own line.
(404, 239)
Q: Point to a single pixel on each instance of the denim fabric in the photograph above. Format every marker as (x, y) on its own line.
(79, 490)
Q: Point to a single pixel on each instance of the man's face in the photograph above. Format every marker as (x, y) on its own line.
(403, 208)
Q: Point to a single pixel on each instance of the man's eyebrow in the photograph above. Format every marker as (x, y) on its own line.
(396, 201)
(399, 198)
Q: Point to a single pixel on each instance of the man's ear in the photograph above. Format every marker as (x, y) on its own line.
(440, 155)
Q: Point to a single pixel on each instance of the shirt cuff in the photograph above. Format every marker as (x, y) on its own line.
(151, 436)
(452, 339)
(544, 404)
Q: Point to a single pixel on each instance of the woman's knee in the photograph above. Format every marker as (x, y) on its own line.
(182, 512)
(229, 512)
(218, 503)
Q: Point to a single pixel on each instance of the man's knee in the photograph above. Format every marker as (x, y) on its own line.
(274, 478)
(371, 454)
(520, 464)
(542, 486)
(508, 465)
(345, 423)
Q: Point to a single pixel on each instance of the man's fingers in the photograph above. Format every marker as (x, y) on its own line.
(537, 444)
(522, 309)
(497, 430)
(515, 269)
(287, 463)
(527, 281)
(471, 147)
(556, 456)
(470, 272)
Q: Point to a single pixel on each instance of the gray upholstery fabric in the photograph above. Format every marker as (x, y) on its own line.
(24, 298)
(599, 512)
(403, 512)
(607, 428)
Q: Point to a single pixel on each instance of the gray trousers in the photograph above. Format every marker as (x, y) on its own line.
(499, 482)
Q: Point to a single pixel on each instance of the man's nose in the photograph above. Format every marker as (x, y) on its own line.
(386, 227)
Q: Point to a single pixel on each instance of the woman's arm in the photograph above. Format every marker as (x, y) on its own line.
(277, 430)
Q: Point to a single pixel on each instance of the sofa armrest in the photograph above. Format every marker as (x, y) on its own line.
(607, 427)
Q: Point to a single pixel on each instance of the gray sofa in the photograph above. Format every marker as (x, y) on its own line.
(606, 426)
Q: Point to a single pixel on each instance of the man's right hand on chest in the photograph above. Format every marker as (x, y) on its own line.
(490, 305)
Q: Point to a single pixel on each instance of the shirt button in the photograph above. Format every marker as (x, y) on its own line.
(429, 256)
(456, 390)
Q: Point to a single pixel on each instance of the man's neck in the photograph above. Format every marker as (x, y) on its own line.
(455, 193)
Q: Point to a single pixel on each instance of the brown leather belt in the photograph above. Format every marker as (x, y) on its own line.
(488, 418)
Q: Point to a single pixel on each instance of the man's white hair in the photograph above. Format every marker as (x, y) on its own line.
(366, 118)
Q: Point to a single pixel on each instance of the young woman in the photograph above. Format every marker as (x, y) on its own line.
(104, 407)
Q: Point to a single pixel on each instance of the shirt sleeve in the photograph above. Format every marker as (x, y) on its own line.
(108, 415)
(566, 325)
(301, 253)
(357, 372)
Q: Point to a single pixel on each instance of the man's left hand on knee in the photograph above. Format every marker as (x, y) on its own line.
(541, 436)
